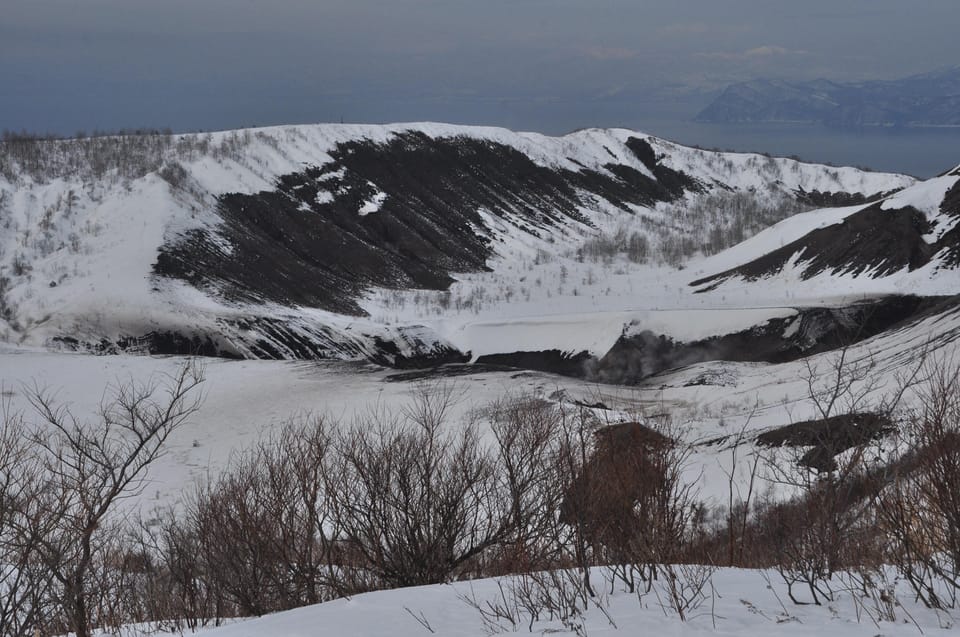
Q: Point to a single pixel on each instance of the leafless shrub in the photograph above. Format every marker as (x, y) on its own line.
(263, 534)
(26, 585)
(537, 443)
(418, 503)
(90, 467)
(529, 599)
(684, 587)
(174, 174)
(707, 224)
(173, 592)
(920, 509)
(117, 156)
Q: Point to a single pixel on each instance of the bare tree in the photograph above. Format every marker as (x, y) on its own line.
(739, 502)
(920, 508)
(175, 593)
(91, 467)
(830, 524)
(26, 513)
(265, 534)
(527, 432)
(417, 502)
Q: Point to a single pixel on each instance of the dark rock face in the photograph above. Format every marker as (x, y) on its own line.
(813, 330)
(817, 199)
(155, 343)
(409, 212)
(951, 239)
(828, 437)
(427, 355)
(636, 358)
(552, 361)
(290, 247)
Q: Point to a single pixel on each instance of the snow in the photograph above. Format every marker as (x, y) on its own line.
(747, 171)
(774, 237)
(98, 241)
(739, 602)
(596, 332)
(925, 196)
(373, 204)
(789, 284)
(244, 399)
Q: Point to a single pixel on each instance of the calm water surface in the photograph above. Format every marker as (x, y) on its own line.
(919, 152)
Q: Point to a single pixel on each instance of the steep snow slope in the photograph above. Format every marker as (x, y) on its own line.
(292, 242)
(906, 243)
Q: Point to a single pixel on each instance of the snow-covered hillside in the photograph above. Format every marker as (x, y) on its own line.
(908, 243)
(718, 295)
(390, 243)
(744, 603)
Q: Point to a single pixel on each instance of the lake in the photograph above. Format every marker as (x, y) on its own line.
(920, 152)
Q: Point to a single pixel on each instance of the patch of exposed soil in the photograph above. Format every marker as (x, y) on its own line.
(828, 437)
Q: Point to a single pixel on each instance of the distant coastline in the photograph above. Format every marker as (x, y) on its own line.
(919, 151)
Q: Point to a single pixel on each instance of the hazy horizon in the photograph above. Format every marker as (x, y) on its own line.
(550, 66)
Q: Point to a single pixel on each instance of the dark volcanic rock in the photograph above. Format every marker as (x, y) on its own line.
(553, 361)
(427, 355)
(817, 199)
(951, 239)
(289, 247)
(814, 330)
(828, 437)
(163, 343)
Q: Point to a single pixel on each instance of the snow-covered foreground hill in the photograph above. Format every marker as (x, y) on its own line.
(744, 603)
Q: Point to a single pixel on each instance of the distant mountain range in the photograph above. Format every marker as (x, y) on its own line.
(930, 99)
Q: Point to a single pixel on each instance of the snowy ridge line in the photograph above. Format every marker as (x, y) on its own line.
(283, 149)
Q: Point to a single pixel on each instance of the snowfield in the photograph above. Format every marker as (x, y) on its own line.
(743, 604)
(244, 400)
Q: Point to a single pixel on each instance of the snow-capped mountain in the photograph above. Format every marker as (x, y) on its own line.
(425, 243)
(928, 99)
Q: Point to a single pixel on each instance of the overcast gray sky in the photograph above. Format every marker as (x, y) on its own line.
(550, 65)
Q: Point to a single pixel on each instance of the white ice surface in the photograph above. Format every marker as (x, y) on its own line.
(243, 399)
